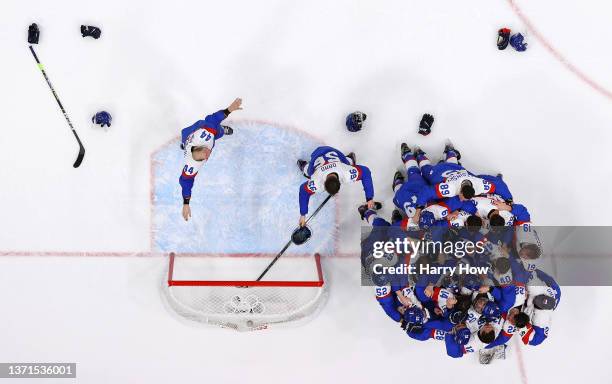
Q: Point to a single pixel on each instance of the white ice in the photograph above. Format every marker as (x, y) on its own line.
(540, 118)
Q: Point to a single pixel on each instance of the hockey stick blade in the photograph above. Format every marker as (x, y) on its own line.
(81, 154)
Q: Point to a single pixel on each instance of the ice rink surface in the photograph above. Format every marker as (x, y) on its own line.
(79, 280)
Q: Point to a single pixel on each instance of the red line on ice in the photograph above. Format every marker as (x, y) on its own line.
(571, 67)
(521, 363)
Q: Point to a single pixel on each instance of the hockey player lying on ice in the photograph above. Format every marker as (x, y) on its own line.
(470, 313)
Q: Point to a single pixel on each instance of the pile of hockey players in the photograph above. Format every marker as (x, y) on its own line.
(466, 312)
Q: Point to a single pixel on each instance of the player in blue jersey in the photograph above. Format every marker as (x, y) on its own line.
(449, 178)
(412, 193)
(326, 171)
(197, 142)
(450, 167)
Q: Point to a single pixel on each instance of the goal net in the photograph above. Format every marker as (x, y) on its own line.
(221, 290)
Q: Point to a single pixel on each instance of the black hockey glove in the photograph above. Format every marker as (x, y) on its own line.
(90, 30)
(425, 124)
(33, 34)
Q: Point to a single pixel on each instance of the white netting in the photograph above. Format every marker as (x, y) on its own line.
(245, 308)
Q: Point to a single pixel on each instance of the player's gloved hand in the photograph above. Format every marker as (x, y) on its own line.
(186, 212)
(302, 221)
(235, 105)
(403, 324)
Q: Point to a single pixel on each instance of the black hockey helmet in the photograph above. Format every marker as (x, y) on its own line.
(301, 235)
(544, 302)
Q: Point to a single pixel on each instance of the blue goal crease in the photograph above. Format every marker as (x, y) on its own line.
(245, 198)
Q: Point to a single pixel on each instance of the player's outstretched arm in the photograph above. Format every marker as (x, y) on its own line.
(548, 280)
(368, 186)
(501, 188)
(521, 213)
(235, 105)
(186, 186)
(501, 339)
(214, 120)
(386, 300)
(186, 212)
(305, 193)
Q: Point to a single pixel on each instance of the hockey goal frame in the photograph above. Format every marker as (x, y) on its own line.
(245, 305)
(245, 283)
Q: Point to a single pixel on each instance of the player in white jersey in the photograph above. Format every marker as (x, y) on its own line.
(483, 311)
(464, 186)
(327, 170)
(462, 341)
(407, 297)
(443, 298)
(197, 142)
(528, 246)
(514, 321)
(487, 207)
(543, 297)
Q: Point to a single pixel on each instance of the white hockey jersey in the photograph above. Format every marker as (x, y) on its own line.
(408, 292)
(452, 186)
(201, 137)
(485, 204)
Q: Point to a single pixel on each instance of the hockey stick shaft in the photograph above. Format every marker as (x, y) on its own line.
(282, 251)
(81, 147)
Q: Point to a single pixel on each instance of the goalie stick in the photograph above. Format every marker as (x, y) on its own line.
(81, 154)
(282, 251)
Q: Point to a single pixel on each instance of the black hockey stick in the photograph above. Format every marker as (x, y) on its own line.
(290, 241)
(81, 154)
